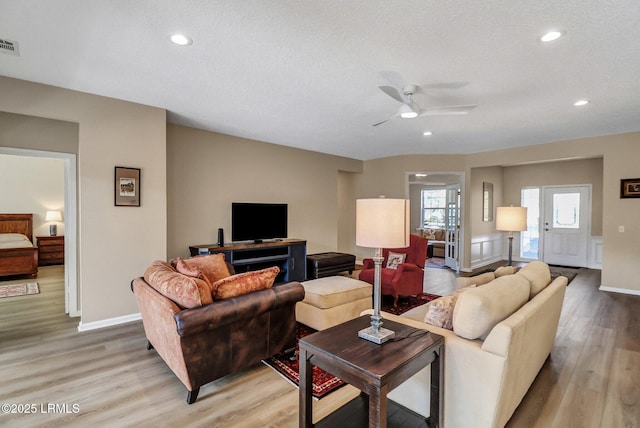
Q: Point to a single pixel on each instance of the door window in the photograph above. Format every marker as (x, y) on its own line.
(566, 210)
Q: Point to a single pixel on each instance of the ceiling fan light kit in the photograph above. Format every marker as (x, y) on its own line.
(406, 112)
(409, 110)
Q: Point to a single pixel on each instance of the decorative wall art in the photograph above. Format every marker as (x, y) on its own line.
(487, 201)
(127, 187)
(630, 188)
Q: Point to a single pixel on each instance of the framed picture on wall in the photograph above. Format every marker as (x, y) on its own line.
(127, 187)
(630, 188)
(487, 201)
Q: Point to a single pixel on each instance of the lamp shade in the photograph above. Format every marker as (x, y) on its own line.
(53, 216)
(382, 223)
(511, 219)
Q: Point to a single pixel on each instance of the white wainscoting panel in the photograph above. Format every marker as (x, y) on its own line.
(595, 252)
(486, 249)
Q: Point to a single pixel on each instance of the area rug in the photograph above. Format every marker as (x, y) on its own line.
(405, 303)
(19, 289)
(566, 271)
(286, 364)
(435, 262)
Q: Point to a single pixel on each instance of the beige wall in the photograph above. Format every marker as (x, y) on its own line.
(620, 251)
(346, 209)
(205, 172)
(115, 243)
(32, 186)
(37, 133)
(478, 176)
(209, 171)
(585, 171)
(388, 177)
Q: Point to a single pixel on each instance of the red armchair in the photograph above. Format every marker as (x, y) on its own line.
(408, 278)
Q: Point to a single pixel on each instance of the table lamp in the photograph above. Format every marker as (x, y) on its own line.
(380, 222)
(511, 219)
(53, 216)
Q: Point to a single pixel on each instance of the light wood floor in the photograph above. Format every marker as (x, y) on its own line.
(591, 380)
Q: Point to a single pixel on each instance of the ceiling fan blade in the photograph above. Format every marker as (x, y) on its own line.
(392, 92)
(386, 120)
(450, 110)
(380, 123)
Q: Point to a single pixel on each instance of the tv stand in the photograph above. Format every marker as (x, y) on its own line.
(290, 255)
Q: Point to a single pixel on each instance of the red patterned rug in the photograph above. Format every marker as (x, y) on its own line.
(323, 382)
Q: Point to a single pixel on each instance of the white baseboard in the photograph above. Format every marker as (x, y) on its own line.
(108, 322)
(619, 290)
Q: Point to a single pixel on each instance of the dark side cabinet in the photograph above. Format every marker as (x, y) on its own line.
(290, 255)
(50, 250)
(298, 262)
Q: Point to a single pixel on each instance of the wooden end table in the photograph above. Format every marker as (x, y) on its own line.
(373, 369)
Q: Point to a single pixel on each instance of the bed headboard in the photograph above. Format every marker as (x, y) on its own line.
(17, 223)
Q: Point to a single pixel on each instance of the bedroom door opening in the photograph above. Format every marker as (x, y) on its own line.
(72, 304)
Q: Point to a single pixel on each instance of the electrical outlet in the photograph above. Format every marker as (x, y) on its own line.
(621, 228)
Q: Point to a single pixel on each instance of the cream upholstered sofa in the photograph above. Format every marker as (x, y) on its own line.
(503, 331)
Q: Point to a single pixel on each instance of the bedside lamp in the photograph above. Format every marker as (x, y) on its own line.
(380, 223)
(53, 216)
(511, 219)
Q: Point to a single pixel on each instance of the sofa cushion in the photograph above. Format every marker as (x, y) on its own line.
(466, 281)
(187, 270)
(505, 270)
(429, 234)
(244, 283)
(479, 309)
(395, 259)
(538, 274)
(185, 291)
(439, 312)
(212, 266)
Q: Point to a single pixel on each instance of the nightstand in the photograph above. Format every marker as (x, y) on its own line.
(50, 250)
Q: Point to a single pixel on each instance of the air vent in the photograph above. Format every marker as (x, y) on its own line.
(10, 47)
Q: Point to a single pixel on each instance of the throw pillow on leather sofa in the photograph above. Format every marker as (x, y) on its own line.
(202, 339)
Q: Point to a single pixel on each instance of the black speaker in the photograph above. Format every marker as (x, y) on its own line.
(220, 238)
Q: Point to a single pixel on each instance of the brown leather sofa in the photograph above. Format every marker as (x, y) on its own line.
(205, 343)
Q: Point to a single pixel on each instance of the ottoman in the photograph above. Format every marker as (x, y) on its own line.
(326, 264)
(332, 300)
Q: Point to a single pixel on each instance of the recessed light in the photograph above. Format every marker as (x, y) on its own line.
(181, 39)
(581, 103)
(419, 175)
(427, 133)
(551, 36)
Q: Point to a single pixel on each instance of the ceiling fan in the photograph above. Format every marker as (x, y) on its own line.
(408, 109)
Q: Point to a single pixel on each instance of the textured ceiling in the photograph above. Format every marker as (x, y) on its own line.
(305, 73)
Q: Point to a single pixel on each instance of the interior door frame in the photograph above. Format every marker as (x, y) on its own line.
(543, 210)
(452, 245)
(71, 288)
(462, 207)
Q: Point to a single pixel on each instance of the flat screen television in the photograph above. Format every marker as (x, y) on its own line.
(258, 221)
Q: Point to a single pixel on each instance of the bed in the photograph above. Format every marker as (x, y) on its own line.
(18, 255)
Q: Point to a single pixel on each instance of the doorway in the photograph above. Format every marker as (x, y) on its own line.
(72, 305)
(436, 203)
(566, 224)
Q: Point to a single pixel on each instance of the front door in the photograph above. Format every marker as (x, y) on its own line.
(567, 224)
